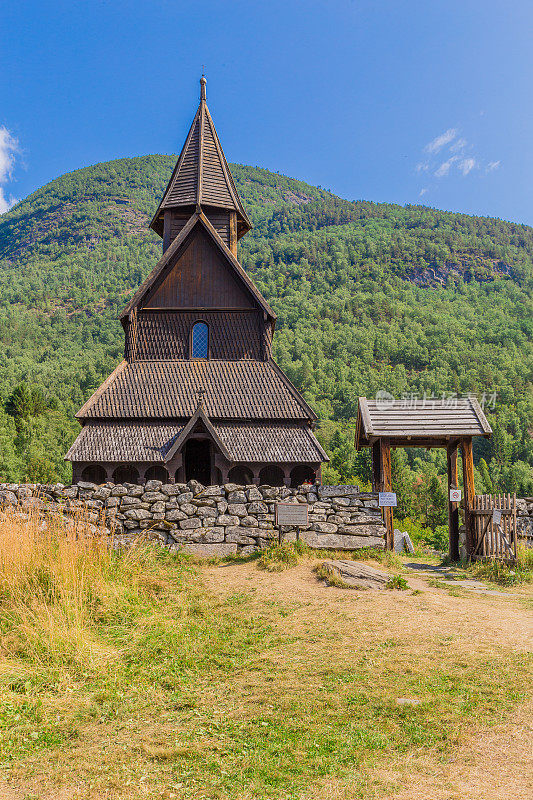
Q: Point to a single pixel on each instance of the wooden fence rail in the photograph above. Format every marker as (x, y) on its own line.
(493, 521)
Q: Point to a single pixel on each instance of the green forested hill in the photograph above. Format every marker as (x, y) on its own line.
(369, 296)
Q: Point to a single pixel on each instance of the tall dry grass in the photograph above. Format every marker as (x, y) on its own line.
(59, 580)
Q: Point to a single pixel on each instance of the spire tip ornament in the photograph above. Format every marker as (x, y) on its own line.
(203, 82)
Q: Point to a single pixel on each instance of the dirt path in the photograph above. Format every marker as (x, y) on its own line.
(490, 763)
(489, 618)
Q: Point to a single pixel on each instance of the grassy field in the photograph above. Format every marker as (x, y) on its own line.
(141, 675)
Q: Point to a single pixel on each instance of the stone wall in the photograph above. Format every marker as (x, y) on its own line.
(212, 520)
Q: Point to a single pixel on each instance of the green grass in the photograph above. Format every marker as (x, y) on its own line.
(172, 691)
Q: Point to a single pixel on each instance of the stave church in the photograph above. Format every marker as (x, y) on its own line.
(198, 394)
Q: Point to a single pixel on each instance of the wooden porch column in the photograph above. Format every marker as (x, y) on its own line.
(468, 488)
(453, 508)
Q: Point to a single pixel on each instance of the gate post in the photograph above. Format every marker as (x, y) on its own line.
(382, 482)
(453, 508)
(469, 489)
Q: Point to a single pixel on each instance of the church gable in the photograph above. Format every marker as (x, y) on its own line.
(199, 276)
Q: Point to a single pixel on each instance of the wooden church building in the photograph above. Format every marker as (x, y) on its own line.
(198, 394)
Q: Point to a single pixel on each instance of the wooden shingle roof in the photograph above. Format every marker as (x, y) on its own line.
(124, 441)
(275, 442)
(201, 176)
(169, 389)
(114, 441)
(419, 422)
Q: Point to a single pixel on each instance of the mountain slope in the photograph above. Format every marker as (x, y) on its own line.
(369, 296)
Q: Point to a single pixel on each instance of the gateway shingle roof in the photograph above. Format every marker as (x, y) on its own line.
(169, 389)
(419, 419)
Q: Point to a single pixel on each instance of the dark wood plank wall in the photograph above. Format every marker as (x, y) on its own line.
(200, 279)
(175, 221)
(166, 335)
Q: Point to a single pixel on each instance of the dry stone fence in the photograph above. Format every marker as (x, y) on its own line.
(211, 520)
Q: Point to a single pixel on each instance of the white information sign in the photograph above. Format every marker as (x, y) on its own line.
(455, 495)
(387, 499)
(496, 516)
(291, 513)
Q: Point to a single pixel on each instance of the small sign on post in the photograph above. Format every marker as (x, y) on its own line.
(455, 495)
(293, 515)
(496, 516)
(387, 500)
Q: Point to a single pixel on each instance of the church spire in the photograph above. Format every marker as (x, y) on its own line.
(201, 179)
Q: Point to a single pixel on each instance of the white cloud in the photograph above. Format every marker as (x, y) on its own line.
(450, 154)
(458, 146)
(444, 168)
(466, 165)
(9, 147)
(441, 141)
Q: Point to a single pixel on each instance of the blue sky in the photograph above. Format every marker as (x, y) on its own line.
(403, 101)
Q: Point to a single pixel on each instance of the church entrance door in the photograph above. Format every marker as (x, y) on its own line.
(197, 460)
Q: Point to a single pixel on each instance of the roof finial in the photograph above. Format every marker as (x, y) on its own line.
(202, 84)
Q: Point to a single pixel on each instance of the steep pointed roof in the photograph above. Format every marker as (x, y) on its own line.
(201, 176)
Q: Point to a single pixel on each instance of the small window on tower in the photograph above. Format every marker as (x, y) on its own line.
(200, 341)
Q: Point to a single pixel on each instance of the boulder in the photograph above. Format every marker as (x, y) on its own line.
(249, 522)
(210, 535)
(236, 497)
(185, 497)
(138, 514)
(190, 524)
(213, 491)
(117, 491)
(173, 489)
(324, 527)
(153, 486)
(227, 519)
(257, 507)
(237, 509)
(356, 574)
(240, 535)
(152, 496)
(206, 511)
(8, 498)
(195, 487)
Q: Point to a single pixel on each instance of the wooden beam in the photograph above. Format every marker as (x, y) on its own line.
(453, 508)
(468, 488)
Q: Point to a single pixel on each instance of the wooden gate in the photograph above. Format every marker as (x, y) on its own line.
(493, 527)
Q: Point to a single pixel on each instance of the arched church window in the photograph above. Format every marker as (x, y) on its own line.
(200, 340)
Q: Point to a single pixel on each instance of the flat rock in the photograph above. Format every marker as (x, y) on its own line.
(209, 549)
(336, 541)
(358, 575)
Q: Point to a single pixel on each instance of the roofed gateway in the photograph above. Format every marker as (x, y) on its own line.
(198, 394)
